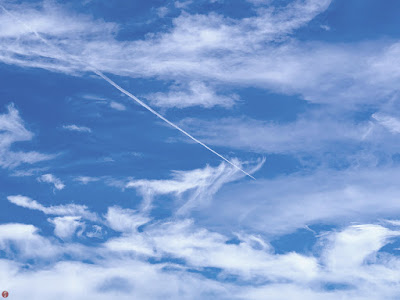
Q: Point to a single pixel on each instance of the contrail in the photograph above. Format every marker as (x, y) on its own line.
(118, 87)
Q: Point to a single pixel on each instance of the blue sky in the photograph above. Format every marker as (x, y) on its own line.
(100, 199)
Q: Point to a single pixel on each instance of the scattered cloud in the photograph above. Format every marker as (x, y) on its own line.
(61, 210)
(200, 184)
(389, 122)
(117, 106)
(162, 11)
(309, 133)
(12, 130)
(50, 178)
(28, 172)
(196, 94)
(65, 227)
(74, 127)
(240, 52)
(96, 232)
(124, 220)
(251, 261)
(325, 196)
(86, 179)
(213, 239)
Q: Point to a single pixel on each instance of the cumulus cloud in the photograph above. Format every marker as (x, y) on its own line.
(65, 227)
(28, 242)
(347, 258)
(365, 274)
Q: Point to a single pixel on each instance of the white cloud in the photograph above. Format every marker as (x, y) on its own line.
(50, 178)
(389, 122)
(63, 210)
(198, 48)
(28, 243)
(96, 232)
(116, 278)
(201, 184)
(124, 220)
(219, 50)
(86, 179)
(212, 48)
(348, 258)
(182, 4)
(350, 248)
(117, 106)
(74, 127)
(65, 227)
(28, 172)
(202, 248)
(325, 196)
(241, 53)
(309, 133)
(162, 11)
(196, 94)
(12, 130)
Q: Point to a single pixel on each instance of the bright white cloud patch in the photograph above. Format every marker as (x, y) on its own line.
(349, 258)
(63, 210)
(50, 178)
(124, 220)
(65, 227)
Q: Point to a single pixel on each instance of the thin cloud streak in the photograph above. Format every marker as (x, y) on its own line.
(115, 85)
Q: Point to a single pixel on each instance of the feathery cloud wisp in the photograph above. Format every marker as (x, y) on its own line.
(77, 128)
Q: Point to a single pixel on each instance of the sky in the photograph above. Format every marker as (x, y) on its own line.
(102, 199)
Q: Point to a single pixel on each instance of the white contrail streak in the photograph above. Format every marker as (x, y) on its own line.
(115, 85)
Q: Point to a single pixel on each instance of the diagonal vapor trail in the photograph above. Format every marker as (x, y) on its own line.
(118, 87)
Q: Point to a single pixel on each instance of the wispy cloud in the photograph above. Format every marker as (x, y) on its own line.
(86, 179)
(12, 130)
(50, 178)
(74, 127)
(196, 94)
(215, 49)
(60, 210)
(117, 106)
(389, 122)
(326, 196)
(201, 184)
